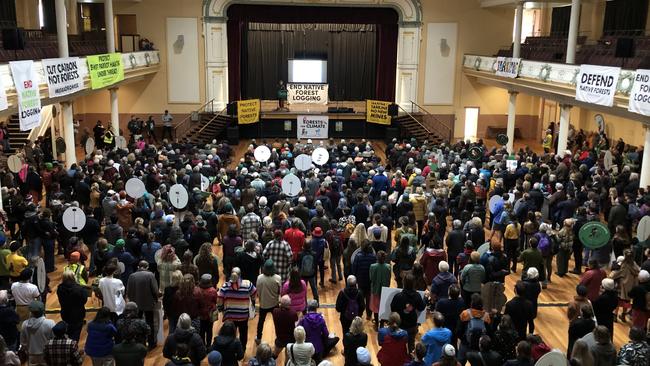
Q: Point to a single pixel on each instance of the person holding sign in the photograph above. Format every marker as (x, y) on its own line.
(408, 304)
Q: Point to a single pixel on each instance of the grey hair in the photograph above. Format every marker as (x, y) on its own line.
(4, 297)
(184, 322)
(351, 280)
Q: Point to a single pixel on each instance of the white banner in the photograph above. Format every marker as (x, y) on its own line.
(597, 84)
(508, 67)
(307, 93)
(640, 93)
(313, 127)
(29, 98)
(63, 76)
(4, 104)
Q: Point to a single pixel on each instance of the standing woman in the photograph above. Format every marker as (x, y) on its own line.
(626, 278)
(72, 298)
(352, 340)
(101, 338)
(207, 262)
(403, 256)
(187, 298)
(168, 299)
(565, 236)
(296, 288)
(231, 241)
(166, 262)
(393, 341)
(379, 277)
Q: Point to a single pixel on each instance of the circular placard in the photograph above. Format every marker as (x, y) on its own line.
(135, 188)
(74, 219)
(60, 145)
(303, 162)
(594, 235)
(120, 142)
(483, 248)
(262, 153)
(205, 183)
(502, 139)
(178, 196)
(475, 153)
(90, 145)
(495, 201)
(320, 156)
(291, 185)
(553, 358)
(15, 163)
(643, 229)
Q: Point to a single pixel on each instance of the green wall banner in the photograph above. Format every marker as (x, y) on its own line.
(105, 70)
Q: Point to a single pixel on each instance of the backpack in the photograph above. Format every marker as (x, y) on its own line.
(412, 238)
(335, 242)
(352, 308)
(544, 245)
(307, 265)
(475, 329)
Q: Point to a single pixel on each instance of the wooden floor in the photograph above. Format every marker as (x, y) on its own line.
(551, 322)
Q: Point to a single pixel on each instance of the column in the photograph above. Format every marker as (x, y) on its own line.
(110, 48)
(574, 25)
(519, 17)
(563, 134)
(115, 113)
(645, 168)
(66, 107)
(512, 112)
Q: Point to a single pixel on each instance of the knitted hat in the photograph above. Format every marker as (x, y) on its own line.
(120, 243)
(363, 356)
(214, 358)
(608, 284)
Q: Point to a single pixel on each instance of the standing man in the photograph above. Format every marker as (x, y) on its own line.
(167, 125)
(520, 310)
(142, 288)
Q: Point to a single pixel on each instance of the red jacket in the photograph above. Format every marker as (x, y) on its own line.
(430, 260)
(592, 280)
(296, 240)
(208, 302)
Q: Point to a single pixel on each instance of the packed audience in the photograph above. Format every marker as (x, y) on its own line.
(446, 225)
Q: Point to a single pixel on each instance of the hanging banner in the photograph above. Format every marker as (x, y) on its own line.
(248, 111)
(508, 67)
(377, 112)
(313, 127)
(63, 76)
(640, 93)
(4, 104)
(597, 84)
(105, 69)
(29, 98)
(307, 93)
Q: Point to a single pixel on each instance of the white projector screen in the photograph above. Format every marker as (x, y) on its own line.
(307, 71)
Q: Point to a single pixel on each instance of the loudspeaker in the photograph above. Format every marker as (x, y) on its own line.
(232, 135)
(391, 133)
(13, 39)
(231, 109)
(625, 47)
(392, 110)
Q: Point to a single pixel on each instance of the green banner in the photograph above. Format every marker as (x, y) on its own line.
(105, 70)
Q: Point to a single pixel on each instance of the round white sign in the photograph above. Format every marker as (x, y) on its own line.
(15, 163)
(120, 142)
(483, 248)
(74, 219)
(178, 196)
(291, 185)
(205, 183)
(320, 156)
(303, 162)
(135, 188)
(262, 153)
(494, 202)
(643, 229)
(90, 145)
(553, 358)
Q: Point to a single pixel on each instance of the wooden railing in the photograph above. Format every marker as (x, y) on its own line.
(416, 120)
(440, 128)
(182, 127)
(221, 113)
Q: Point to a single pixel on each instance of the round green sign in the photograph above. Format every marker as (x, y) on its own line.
(475, 153)
(502, 139)
(594, 235)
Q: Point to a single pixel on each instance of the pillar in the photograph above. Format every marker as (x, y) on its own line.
(574, 25)
(115, 113)
(563, 133)
(66, 107)
(645, 167)
(110, 31)
(68, 131)
(519, 17)
(512, 112)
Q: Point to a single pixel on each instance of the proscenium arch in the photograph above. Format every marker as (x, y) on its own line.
(409, 11)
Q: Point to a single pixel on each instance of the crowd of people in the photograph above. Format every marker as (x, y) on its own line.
(418, 218)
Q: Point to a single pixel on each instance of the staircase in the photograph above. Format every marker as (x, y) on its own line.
(410, 125)
(209, 127)
(17, 138)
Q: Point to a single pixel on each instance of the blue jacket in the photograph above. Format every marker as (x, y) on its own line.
(99, 342)
(380, 183)
(434, 339)
(361, 268)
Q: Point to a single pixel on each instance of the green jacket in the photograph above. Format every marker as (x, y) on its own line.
(532, 258)
(472, 277)
(379, 277)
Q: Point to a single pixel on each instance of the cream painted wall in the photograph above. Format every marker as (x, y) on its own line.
(616, 127)
(150, 95)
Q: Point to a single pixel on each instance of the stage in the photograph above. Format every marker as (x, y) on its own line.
(268, 110)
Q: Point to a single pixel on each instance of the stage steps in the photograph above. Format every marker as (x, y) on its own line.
(410, 125)
(17, 138)
(210, 126)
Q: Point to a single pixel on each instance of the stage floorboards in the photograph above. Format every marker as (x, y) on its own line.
(551, 323)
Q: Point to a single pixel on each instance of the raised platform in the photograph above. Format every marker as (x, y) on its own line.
(268, 110)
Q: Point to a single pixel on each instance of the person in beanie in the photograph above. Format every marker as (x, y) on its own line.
(214, 358)
(318, 245)
(36, 331)
(605, 304)
(268, 291)
(207, 315)
(61, 350)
